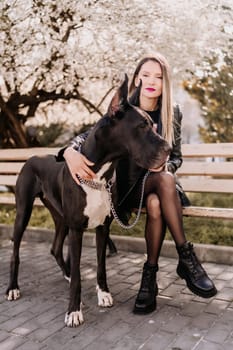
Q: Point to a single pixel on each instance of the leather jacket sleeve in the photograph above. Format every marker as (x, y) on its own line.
(175, 159)
(76, 143)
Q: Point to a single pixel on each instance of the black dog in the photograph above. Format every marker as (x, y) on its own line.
(124, 130)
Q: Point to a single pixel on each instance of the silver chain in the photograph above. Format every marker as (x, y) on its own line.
(90, 183)
(114, 213)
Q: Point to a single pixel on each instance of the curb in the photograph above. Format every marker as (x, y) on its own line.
(206, 252)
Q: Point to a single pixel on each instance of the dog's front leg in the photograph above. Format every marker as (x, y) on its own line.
(61, 232)
(22, 218)
(74, 315)
(103, 294)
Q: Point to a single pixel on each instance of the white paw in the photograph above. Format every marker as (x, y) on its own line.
(67, 278)
(13, 294)
(104, 298)
(74, 319)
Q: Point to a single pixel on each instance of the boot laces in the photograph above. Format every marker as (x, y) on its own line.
(148, 279)
(194, 264)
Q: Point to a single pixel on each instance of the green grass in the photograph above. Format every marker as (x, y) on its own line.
(40, 217)
(198, 230)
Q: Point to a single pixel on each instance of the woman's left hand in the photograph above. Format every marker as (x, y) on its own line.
(163, 167)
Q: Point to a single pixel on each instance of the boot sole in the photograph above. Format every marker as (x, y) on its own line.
(145, 311)
(201, 293)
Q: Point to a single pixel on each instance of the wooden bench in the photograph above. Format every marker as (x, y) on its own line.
(207, 168)
(11, 162)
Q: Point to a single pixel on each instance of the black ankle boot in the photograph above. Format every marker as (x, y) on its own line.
(146, 298)
(190, 269)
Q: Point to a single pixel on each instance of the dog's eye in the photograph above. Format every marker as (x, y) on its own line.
(143, 124)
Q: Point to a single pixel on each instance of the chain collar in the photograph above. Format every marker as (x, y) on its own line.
(113, 210)
(99, 186)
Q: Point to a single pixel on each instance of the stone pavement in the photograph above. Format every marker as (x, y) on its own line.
(182, 320)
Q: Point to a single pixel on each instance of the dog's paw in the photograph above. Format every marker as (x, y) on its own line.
(13, 294)
(67, 278)
(104, 298)
(74, 318)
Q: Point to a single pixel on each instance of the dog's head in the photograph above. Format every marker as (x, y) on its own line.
(126, 130)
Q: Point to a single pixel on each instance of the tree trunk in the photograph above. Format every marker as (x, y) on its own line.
(17, 132)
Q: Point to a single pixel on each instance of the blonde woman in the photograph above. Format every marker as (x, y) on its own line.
(163, 198)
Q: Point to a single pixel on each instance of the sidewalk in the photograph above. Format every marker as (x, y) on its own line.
(182, 320)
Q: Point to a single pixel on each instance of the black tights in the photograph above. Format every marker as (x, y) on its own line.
(163, 209)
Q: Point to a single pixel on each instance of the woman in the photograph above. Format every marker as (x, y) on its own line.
(162, 202)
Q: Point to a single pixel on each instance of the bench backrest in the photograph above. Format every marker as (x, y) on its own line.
(207, 168)
(12, 160)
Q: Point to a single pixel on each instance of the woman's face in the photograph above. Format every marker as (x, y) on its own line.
(152, 79)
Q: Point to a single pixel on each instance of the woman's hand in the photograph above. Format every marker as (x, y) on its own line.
(157, 170)
(163, 167)
(78, 164)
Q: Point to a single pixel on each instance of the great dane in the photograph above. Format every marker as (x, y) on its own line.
(124, 131)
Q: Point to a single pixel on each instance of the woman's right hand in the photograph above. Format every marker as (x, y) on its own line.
(78, 164)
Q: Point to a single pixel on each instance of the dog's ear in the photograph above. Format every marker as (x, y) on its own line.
(119, 100)
(134, 99)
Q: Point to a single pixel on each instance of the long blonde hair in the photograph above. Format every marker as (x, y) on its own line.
(165, 100)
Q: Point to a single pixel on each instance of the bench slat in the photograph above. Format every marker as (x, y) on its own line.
(8, 180)
(204, 168)
(208, 150)
(10, 168)
(205, 212)
(25, 153)
(11, 200)
(207, 185)
(7, 200)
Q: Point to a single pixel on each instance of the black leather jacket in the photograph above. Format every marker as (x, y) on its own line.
(175, 159)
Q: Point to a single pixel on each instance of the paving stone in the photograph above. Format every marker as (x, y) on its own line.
(182, 320)
(172, 290)
(158, 341)
(14, 322)
(203, 321)
(206, 345)
(42, 333)
(127, 342)
(30, 346)
(12, 342)
(225, 294)
(3, 335)
(115, 333)
(19, 306)
(193, 309)
(187, 339)
(133, 279)
(164, 281)
(217, 306)
(216, 334)
(176, 324)
(226, 276)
